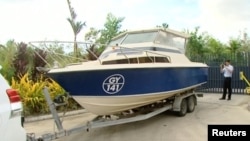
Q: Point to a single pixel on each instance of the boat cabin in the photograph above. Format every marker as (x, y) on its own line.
(144, 46)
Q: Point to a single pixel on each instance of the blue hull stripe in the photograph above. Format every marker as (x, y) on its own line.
(124, 82)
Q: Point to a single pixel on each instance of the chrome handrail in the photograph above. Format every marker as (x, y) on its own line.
(146, 51)
(58, 55)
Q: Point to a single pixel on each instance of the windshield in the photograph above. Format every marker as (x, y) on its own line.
(140, 37)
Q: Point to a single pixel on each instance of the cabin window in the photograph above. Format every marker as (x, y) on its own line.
(150, 59)
(129, 53)
(161, 59)
(140, 38)
(116, 41)
(171, 40)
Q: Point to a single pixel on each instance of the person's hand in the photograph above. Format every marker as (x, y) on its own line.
(222, 65)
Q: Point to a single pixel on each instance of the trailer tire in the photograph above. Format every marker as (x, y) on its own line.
(190, 104)
(183, 108)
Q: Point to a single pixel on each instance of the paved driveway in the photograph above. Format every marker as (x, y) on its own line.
(166, 126)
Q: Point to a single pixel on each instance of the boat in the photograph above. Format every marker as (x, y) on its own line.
(137, 68)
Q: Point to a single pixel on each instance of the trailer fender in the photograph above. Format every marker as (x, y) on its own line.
(178, 100)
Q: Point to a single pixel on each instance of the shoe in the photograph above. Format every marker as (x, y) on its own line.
(229, 99)
(222, 99)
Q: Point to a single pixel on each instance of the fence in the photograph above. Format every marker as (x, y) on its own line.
(215, 80)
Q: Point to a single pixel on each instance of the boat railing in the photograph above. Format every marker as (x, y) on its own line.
(146, 52)
(90, 51)
(124, 54)
(59, 59)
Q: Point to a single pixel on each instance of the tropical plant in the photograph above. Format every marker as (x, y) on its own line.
(76, 26)
(7, 54)
(23, 58)
(32, 96)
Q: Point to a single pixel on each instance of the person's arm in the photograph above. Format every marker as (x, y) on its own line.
(222, 68)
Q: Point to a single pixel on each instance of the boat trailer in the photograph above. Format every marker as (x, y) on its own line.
(181, 103)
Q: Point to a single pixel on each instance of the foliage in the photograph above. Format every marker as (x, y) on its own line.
(6, 56)
(234, 46)
(195, 46)
(92, 53)
(27, 59)
(163, 25)
(215, 47)
(31, 93)
(52, 52)
(22, 60)
(204, 48)
(19, 64)
(38, 62)
(92, 35)
(111, 29)
(102, 37)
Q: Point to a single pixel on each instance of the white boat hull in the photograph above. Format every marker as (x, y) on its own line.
(102, 105)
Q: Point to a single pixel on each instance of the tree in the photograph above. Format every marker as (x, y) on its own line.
(214, 49)
(245, 41)
(76, 25)
(92, 35)
(111, 29)
(234, 46)
(195, 46)
(164, 25)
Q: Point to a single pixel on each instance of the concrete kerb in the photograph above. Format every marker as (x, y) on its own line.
(44, 117)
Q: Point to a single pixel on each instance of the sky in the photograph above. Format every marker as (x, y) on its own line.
(39, 20)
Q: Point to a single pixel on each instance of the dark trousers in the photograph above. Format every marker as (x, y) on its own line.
(227, 86)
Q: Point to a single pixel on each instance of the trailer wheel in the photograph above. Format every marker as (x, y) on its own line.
(190, 104)
(183, 108)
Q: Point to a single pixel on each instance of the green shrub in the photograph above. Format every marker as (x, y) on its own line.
(32, 96)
